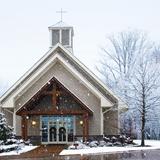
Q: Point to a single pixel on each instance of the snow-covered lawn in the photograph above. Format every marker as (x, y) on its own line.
(153, 144)
(24, 148)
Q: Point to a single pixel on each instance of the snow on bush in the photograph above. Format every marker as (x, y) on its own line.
(5, 130)
(105, 142)
(8, 142)
(78, 145)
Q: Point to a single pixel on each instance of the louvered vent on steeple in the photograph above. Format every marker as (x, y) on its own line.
(61, 33)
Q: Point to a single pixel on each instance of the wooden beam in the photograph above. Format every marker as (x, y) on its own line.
(54, 97)
(52, 112)
(85, 127)
(24, 125)
(56, 87)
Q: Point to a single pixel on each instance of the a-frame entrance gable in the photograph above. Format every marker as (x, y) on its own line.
(54, 99)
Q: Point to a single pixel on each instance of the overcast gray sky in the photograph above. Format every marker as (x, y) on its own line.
(24, 35)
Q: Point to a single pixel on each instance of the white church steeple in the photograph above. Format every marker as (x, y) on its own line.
(61, 33)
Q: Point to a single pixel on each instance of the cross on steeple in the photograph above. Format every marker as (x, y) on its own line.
(61, 12)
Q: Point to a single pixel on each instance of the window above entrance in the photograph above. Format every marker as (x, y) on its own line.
(54, 98)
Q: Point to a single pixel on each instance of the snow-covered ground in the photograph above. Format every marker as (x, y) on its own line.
(153, 144)
(22, 149)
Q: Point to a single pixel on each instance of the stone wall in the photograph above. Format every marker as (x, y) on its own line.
(111, 126)
(18, 126)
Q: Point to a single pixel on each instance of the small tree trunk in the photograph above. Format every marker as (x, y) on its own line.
(143, 132)
(143, 119)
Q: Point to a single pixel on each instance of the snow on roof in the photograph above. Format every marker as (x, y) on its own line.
(89, 73)
(60, 24)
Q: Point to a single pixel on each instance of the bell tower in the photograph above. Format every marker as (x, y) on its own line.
(61, 33)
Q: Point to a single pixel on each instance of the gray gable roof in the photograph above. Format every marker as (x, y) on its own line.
(71, 59)
(89, 77)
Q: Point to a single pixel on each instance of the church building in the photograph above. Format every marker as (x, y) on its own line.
(60, 99)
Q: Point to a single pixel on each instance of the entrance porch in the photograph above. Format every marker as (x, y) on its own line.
(55, 129)
(54, 115)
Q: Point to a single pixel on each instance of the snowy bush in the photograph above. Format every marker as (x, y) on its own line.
(93, 144)
(8, 142)
(106, 142)
(113, 139)
(102, 143)
(6, 131)
(77, 145)
(106, 139)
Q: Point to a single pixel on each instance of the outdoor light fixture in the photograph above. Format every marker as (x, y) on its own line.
(33, 123)
(27, 117)
(81, 122)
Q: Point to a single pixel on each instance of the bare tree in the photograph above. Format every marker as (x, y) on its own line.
(156, 54)
(128, 126)
(118, 62)
(120, 56)
(144, 87)
(125, 66)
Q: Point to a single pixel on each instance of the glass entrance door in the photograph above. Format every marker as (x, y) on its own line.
(52, 131)
(57, 129)
(62, 134)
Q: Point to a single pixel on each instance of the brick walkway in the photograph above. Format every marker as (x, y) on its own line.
(43, 152)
